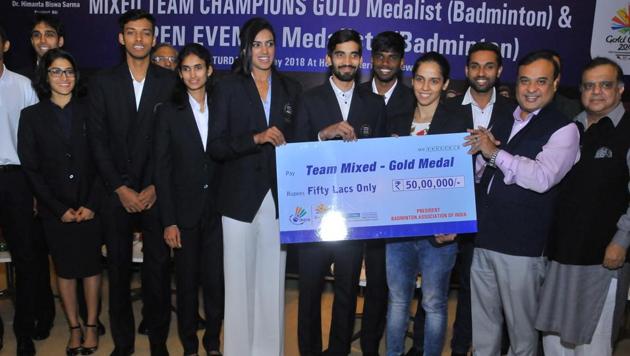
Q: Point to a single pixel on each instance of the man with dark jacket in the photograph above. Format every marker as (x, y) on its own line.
(123, 103)
(336, 109)
(388, 51)
(521, 162)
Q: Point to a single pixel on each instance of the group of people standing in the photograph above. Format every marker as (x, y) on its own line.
(191, 165)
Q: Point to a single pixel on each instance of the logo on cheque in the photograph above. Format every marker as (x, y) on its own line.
(298, 217)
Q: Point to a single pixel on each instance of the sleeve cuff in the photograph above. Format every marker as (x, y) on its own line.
(622, 238)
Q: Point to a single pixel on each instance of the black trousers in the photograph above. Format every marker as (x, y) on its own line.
(118, 226)
(375, 298)
(34, 304)
(200, 262)
(314, 262)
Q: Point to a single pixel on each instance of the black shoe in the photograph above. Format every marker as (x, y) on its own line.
(414, 351)
(142, 328)
(25, 346)
(42, 331)
(370, 354)
(159, 350)
(88, 350)
(73, 351)
(122, 352)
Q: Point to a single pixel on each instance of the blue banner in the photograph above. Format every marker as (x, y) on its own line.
(303, 26)
(375, 188)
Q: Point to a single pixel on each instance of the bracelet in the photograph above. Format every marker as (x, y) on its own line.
(493, 158)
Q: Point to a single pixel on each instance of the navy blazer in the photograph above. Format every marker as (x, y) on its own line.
(459, 117)
(61, 170)
(184, 172)
(121, 136)
(319, 108)
(237, 114)
(399, 108)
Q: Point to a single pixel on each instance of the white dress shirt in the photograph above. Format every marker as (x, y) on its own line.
(344, 98)
(201, 118)
(481, 117)
(16, 93)
(138, 86)
(388, 94)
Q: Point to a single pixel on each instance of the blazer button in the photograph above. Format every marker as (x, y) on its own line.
(71, 176)
(205, 186)
(68, 155)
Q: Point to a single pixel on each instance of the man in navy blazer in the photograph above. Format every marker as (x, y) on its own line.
(336, 109)
(123, 102)
(388, 52)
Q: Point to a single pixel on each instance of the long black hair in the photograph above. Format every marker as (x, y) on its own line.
(41, 84)
(251, 28)
(180, 93)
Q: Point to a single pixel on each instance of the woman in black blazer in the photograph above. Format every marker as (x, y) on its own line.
(185, 182)
(251, 114)
(53, 149)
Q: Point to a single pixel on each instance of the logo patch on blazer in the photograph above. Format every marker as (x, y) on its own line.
(603, 152)
(365, 131)
(287, 113)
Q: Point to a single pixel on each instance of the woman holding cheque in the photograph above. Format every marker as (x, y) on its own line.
(250, 116)
(54, 153)
(431, 256)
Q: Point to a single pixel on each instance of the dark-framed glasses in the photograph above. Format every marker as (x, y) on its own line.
(58, 72)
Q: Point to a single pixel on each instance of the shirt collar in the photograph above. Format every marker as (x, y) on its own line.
(615, 115)
(518, 111)
(337, 90)
(194, 104)
(468, 98)
(136, 81)
(388, 94)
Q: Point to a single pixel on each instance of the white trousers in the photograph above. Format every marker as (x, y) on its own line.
(254, 265)
(600, 344)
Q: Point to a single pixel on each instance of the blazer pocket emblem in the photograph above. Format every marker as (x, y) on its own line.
(287, 113)
(365, 131)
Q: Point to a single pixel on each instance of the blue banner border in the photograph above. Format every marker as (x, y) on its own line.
(376, 232)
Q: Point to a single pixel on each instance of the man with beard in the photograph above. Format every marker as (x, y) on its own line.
(336, 109)
(480, 106)
(388, 50)
(123, 101)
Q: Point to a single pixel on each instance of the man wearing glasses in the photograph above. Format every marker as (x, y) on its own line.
(585, 290)
(164, 55)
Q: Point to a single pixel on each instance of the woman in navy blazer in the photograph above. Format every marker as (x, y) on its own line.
(53, 149)
(252, 113)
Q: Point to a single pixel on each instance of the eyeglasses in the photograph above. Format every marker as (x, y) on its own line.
(58, 72)
(604, 85)
(171, 59)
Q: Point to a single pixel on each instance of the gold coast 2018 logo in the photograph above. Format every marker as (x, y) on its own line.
(621, 20)
(611, 31)
(619, 39)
